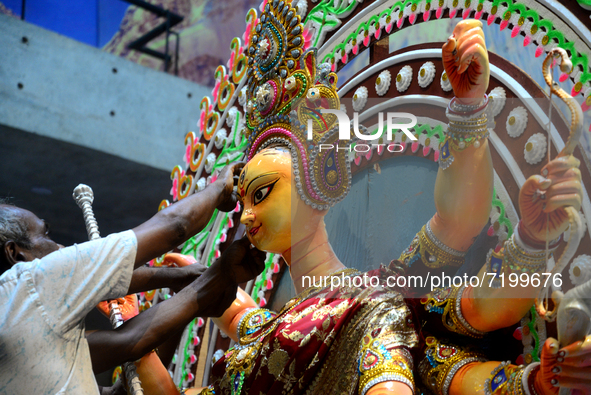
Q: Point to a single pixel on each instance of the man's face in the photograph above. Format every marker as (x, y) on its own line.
(38, 230)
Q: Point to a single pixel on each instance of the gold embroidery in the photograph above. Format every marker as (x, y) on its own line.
(277, 361)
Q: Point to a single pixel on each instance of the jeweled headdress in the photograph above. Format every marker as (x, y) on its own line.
(285, 89)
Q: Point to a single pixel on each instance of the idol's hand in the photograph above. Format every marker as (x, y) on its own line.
(466, 62)
(128, 305)
(227, 178)
(542, 200)
(569, 367)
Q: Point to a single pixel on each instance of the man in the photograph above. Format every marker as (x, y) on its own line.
(47, 290)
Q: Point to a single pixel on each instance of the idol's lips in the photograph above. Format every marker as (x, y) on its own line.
(253, 231)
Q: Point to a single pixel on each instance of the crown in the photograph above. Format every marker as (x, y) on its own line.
(285, 94)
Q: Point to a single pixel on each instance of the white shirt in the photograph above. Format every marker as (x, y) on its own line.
(43, 304)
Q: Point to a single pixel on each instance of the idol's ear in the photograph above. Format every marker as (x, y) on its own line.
(308, 62)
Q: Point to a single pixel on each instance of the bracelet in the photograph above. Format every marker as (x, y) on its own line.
(432, 252)
(448, 303)
(527, 380)
(468, 125)
(442, 362)
(378, 364)
(523, 260)
(461, 111)
(531, 245)
(505, 379)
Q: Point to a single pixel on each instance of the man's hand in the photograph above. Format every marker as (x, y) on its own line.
(466, 62)
(189, 267)
(216, 288)
(242, 261)
(541, 199)
(227, 178)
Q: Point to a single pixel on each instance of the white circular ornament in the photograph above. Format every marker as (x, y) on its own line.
(209, 162)
(220, 138)
(535, 149)
(360, 98)
(516, 122)
(499, 98)
(426, 74)
(404, 78)
(242, 97)
(580, 270)
(231, 118)
(445, 84)
(301, 7)
(201, 184)
(383, 82)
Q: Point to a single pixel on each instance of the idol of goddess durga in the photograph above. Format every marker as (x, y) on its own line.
(371, 340)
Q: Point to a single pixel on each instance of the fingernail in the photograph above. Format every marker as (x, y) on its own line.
(546, 184)
(251, 246)
(556, 369)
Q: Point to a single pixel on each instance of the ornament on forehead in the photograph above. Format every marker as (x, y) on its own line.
(286, 93)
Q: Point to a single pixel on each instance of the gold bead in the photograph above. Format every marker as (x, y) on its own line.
(355, 97)
(534, 29)
(467, 3)
(427, 6)
(578, 86)
(399, 77)
(400, 14)
(529, 147)
(545, 40)
(521, 21)
(404, 137)
(588, 100)
(507, 15)
(441, 3)
(413, 7)
(378, 81)
(480, 7)
(444, 76)
(528, 358)
(493, 10)
(427, 141)
(422, 72)
(388, 19)
(454, 3)
(512, 121)
(576, 271)
(331, 177)
(354, 42)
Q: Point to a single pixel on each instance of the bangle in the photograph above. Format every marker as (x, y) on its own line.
(432, 252)
(442, 362)
(448, 303)
(527, 380)
(528, 244)
(505, 379)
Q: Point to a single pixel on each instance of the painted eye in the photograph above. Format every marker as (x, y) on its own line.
(262, 193)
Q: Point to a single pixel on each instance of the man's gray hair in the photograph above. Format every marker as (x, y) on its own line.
(11, 226)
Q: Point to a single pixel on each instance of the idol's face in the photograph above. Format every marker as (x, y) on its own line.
(266, 193)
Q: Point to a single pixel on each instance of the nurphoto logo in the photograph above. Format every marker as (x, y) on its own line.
(392, 124)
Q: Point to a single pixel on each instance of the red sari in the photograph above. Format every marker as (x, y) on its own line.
(339, 341)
